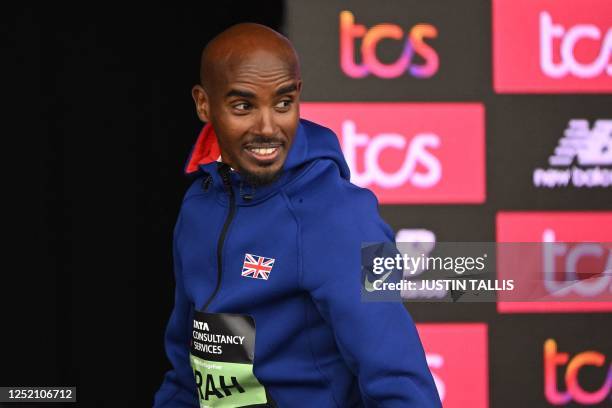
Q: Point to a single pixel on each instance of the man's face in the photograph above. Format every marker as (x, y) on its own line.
(254, 108)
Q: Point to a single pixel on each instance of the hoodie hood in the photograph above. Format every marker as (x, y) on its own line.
(311, 142)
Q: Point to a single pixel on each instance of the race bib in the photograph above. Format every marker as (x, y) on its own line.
(222, 352)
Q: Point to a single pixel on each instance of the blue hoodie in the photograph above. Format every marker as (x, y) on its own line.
(317, 344)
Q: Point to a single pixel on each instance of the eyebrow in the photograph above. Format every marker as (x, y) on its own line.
(239, 93)
(287, 89)
(248, 94)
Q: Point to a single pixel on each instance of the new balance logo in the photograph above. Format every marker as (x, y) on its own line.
(590, 147)
(582, 157)
(257, 267)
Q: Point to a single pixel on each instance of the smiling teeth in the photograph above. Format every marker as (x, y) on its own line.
(263, 151)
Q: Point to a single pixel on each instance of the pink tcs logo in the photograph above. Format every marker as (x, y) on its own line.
(552, 46)
(571, 270)
(414, 44)
(554, 358)
(458, 359)
(410, 152)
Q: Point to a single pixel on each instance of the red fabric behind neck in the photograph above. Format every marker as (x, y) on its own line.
(206, 149)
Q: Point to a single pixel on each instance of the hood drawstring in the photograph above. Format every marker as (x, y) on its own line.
(224, 171)
(206, 181)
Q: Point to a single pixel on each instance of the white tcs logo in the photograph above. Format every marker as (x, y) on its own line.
(414, 242)
(590, 287)
(416, 153)
(549, 31)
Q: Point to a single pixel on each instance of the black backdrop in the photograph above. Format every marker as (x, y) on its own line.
(97, 123)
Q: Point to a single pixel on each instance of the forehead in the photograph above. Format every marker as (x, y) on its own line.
(257, 68)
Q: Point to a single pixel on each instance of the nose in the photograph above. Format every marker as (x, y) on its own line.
(265, 123)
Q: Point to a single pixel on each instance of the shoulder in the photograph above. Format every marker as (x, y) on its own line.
(323, 180)
(325, 200)
(315, 128)
(195, 189)
(192, 199)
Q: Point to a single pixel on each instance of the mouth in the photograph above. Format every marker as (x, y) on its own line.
(264, 153)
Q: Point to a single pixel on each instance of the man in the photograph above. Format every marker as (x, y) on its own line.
(267, 254)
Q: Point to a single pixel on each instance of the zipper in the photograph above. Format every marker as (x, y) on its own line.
(224, 172)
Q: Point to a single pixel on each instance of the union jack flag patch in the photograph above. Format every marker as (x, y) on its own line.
(257, 267)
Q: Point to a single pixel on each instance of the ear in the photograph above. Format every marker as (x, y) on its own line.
(299, 86)
(200, 97)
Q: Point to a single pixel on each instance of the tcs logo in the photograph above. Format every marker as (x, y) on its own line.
(546, 46)
(553, 358)
(570, 268)
(410, 152)
(417, 151)
(414, 44)
(568, 39)
(571, 257)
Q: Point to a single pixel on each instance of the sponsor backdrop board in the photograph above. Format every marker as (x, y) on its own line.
(482, 121)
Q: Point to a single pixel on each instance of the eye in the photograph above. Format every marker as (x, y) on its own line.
(242, 106)
(284, 105)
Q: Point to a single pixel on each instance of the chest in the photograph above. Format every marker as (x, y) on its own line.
(240, 259)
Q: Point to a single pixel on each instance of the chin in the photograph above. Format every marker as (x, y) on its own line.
(262, 178)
